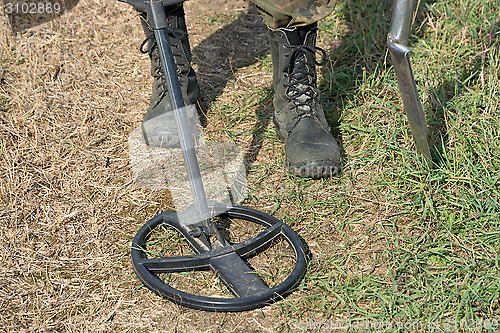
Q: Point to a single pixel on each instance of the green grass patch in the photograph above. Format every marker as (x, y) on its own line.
(394, 241)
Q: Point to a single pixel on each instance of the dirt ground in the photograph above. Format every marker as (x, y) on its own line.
(76, 87)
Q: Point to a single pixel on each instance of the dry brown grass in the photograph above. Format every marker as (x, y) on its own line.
(77, 87)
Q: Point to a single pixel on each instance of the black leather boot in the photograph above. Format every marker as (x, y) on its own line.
(158, 123)
(311, 151)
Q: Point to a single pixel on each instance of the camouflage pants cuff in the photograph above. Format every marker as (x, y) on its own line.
(293, 13)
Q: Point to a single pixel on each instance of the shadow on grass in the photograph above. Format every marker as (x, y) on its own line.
(240, 43)
(363, 49)
(359, 51)
(441, 99)
(441, 96)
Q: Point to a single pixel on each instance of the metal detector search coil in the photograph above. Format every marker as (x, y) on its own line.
(227, 262)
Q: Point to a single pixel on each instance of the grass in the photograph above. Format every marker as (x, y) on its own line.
(391, 241)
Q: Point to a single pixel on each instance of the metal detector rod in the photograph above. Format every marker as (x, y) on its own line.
(140, 5)
(158, 21)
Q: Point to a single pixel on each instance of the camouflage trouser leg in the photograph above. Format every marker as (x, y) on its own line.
(292, 13)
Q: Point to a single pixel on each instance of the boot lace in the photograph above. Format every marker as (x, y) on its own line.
(152, 46)
(301, 87)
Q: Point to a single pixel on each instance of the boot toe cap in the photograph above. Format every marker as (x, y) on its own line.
(312, 152)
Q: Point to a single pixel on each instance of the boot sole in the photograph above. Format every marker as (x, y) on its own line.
(315, 169)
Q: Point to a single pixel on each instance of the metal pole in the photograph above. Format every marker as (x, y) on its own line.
(157, 20)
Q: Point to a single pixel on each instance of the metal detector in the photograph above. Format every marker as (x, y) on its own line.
(212, 250)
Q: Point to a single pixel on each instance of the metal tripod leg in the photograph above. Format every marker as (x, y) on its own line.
(397, 41)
